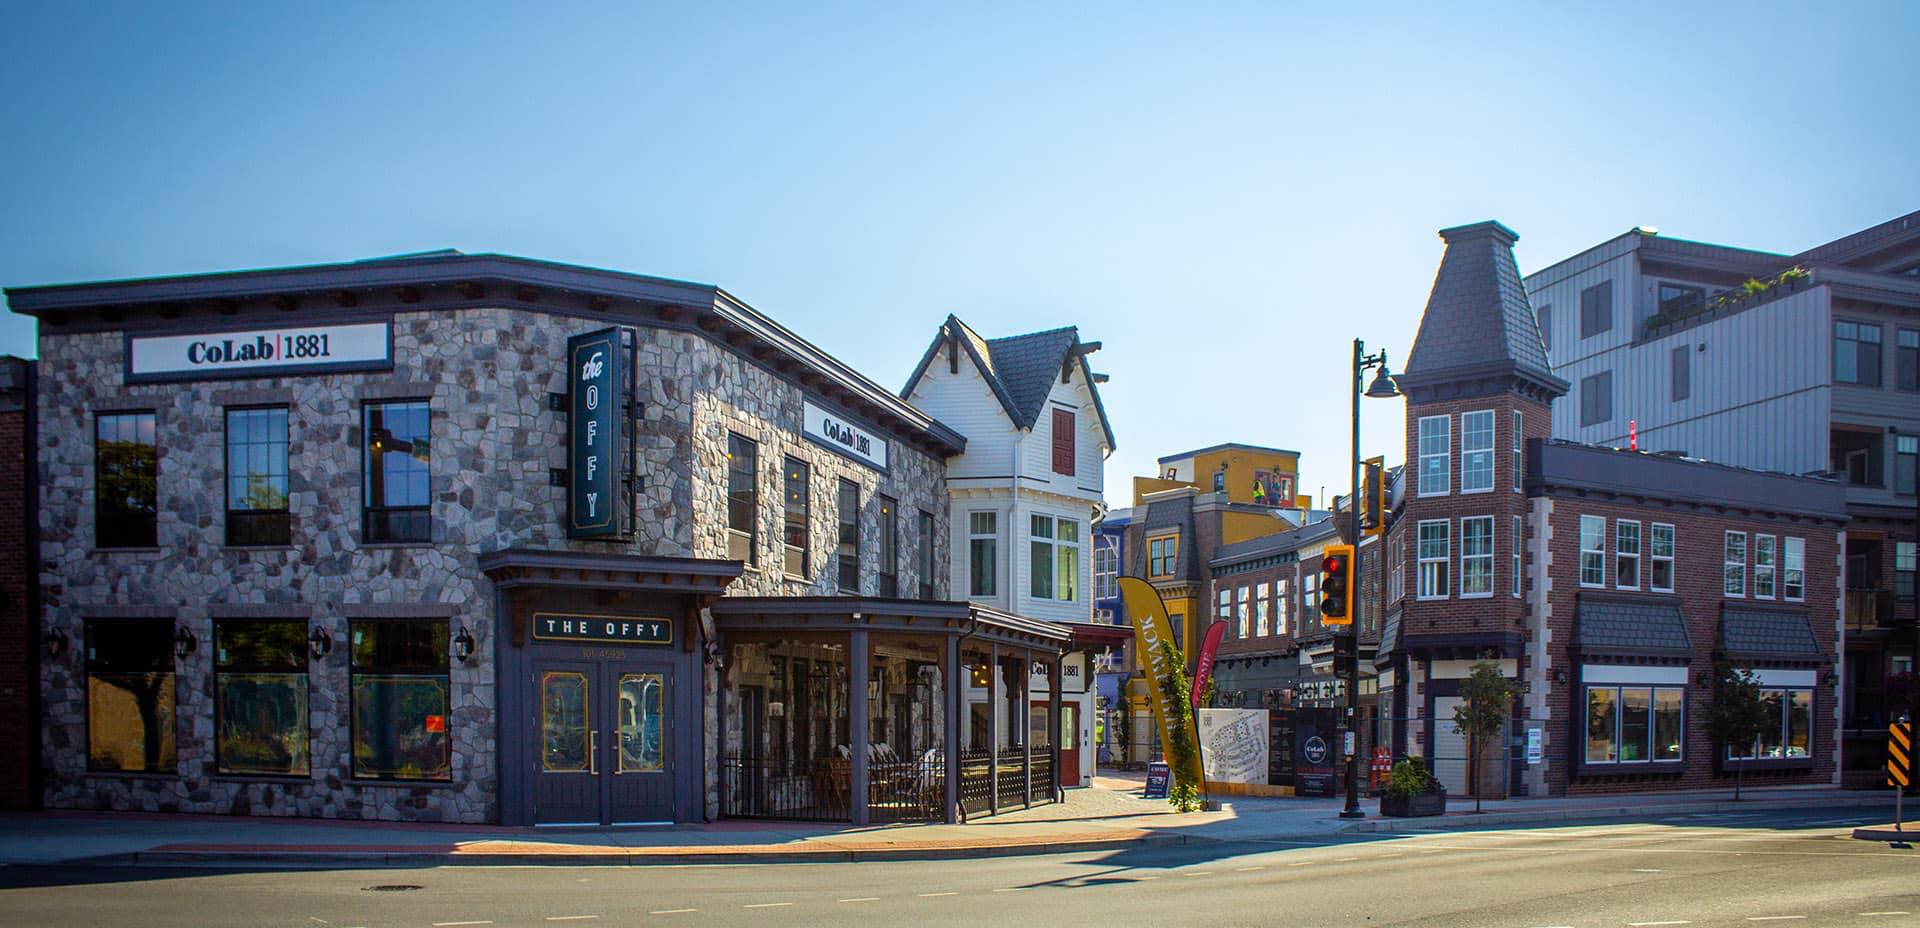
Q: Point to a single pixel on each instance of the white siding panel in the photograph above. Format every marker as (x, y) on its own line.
(967, 405)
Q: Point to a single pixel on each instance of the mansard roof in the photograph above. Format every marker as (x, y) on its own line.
(1478, 323)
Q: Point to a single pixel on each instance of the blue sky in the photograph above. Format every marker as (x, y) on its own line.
(1223, 196)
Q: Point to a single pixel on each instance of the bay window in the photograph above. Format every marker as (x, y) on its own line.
(1054, 548)
(1476, 451)
(1788, 733)
(1436, 448)
(1628, 724)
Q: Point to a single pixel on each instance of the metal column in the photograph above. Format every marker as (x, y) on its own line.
(857, 727)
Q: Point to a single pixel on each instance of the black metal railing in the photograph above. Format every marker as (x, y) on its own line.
(907, 791)
(804, 790)
(976, 789)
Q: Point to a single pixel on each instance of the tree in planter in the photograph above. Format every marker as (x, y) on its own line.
(1737, 714)
(1486, 703)
(1176, 688)
(1123, 730)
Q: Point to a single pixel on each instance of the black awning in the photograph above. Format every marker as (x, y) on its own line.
(1760, 633)
(1630, 626)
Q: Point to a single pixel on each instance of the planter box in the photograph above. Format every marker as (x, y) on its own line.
(1414, 806)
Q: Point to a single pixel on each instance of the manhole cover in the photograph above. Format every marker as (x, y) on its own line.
(392, 887)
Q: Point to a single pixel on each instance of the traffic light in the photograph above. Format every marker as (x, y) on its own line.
(1336, 589)
(1373, 497)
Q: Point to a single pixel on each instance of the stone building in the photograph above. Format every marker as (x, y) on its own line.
(19, 645)
(479, 538)
(1612, 585)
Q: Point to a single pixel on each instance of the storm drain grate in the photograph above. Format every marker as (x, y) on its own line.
(392, 888)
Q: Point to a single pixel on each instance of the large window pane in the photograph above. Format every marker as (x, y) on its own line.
(794, 523)
(261, 697)
(126, 464)
(257, 511)
(563, 722)
(1600, 726)
(743, 494)
(1799, 723)
(401, 699)
(130, 696)
(1636, 722)
(642, 719)
(1669, 723)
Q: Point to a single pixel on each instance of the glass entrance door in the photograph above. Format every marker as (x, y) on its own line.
(602, 743)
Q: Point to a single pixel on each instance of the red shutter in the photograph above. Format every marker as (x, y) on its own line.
(1063, 442)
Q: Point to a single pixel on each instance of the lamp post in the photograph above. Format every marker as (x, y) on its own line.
(1382, 388)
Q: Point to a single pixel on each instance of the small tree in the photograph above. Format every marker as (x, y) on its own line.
(1123, 730)
(1486, 703)
(1176, 688)
(1737, 714)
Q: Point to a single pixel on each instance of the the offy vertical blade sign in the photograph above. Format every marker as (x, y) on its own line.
(596, 384)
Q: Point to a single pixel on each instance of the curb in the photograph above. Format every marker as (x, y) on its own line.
(1399, 825)
(633, 857)
(1886, 836)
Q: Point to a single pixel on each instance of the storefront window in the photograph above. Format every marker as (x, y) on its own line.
(564, 726)
(642, 718)
(401, 699)
(1634, 724)
(1789, 727)
(260, 702)
(130, 695)
(126, 463)
(395, 468)
(257, 512)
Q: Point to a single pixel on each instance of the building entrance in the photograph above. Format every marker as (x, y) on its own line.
(603, 735)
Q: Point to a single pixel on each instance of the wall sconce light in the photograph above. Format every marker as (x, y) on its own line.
(320, 642)
(56, 644)
(980, 676)
(184, 643)
(463, 645)
(1559, 676)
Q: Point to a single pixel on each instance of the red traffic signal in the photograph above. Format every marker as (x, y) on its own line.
(1336, 591)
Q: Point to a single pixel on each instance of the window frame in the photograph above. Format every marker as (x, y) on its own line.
(222, 670)
(1223, 599)
(1056, 548)
(1282, 604)
(1161, 566)
(1906, 579)
(1655, 558)
(370, 514)
(1596, 399)
(1678, 303)
(1242, 612)
(1106, 567)
(991, 539)
(1519, 442)
(1618, 703)
(1767, 545)
(1863, 357)
(1519, 550)
(929, 529)
(795, 516)
(1543, 323)
(1793, 569)
(740, 446)
(846, 553)
(167, 664)
(1727, 565)
(1485, 559)
(1785, 733)
(889, 547)
(1444, 475)
(275, 539)
(1621, 555)
(1441, 573)
(1906, 359)
(1906, 464)
(1596, 310)
(1481, 474)
(150, 538)
(1592, 528)
(442, 671)
(1680, 374)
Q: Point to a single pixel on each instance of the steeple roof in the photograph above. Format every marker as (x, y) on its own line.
(1478, 323)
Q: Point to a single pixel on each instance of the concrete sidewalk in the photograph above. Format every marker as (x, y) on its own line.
(1107, 816)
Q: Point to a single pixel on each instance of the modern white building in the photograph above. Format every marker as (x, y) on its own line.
(1027, 491)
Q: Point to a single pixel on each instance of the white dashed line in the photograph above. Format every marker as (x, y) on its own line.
(1342, 860)
(1647, 870)
(454, 924)
(570, 918)
(1022, 889)
(1301, 863)
(863, 899)
(766, 905)
(1872, 914)
(1197, 873)
(932, 895)
(1651, 924)
(671, 911)
(1773, 918)
(1247, 869)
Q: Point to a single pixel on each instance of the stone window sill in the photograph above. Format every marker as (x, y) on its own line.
(405, 784)
(270, 778)
(256, 548)
(167, 776)
(393, 545)
(154, 550)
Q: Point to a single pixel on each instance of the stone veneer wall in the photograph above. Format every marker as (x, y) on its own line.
(487, 372)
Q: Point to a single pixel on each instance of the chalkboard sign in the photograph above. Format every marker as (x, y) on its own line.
(1158, 776)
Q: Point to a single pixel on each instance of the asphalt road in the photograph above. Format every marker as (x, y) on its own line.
(1752, 871)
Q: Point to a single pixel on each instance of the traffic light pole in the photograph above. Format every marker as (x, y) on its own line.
(1350, 670)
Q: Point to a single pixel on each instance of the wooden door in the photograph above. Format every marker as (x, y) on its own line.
(566, 724)
(1070, 744)
(640, 726)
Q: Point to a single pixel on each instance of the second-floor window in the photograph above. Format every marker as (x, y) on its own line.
(1282, 605)
(1519, 442)
(1262, 611)
(1162, 553)
(1476, 451)
(1516, 555)
(1476, 556)
(1106, 568)
(983, 553)
(889, 546)
(1734, 560)
(1681, 376)
(257, 512)
(1436, 447)
(1596, 398)
(1434, 554)
(1906, 359)
(126, 470)
(1224, 611)
(1661, 573)
(794, 525)
(743, 498)
(848, 552)
(1764, 567)
(1596, 309)
(1397, 587)
(1310, 600)
(1593, 551)
(1906, 463)
(1242, 609)
(926, 554)
(1856, 353)
(1626, 554)
(396, 469)
(1793, 583)
(1904, 554)
(1063, 444)
(1054, 545)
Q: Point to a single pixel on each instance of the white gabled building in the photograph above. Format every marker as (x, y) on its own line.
(1025, 492)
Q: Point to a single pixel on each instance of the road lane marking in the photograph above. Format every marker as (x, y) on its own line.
(932, 895)
(1301, 863)
(1872, 914)
(863, 899)
(1247, 869)
(570, 918)
(1342, 860)
(671, 911)
(454, 924)
(766, 905)
(1022, 889)
(1773, 918)
(1647, 870)
(1650, 924)
(1197, 873)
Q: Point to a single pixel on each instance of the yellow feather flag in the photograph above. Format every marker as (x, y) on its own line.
(1151, 627)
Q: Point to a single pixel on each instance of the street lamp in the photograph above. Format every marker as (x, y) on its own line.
(1382, 387)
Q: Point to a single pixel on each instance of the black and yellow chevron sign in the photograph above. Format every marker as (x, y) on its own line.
(1899, 753)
